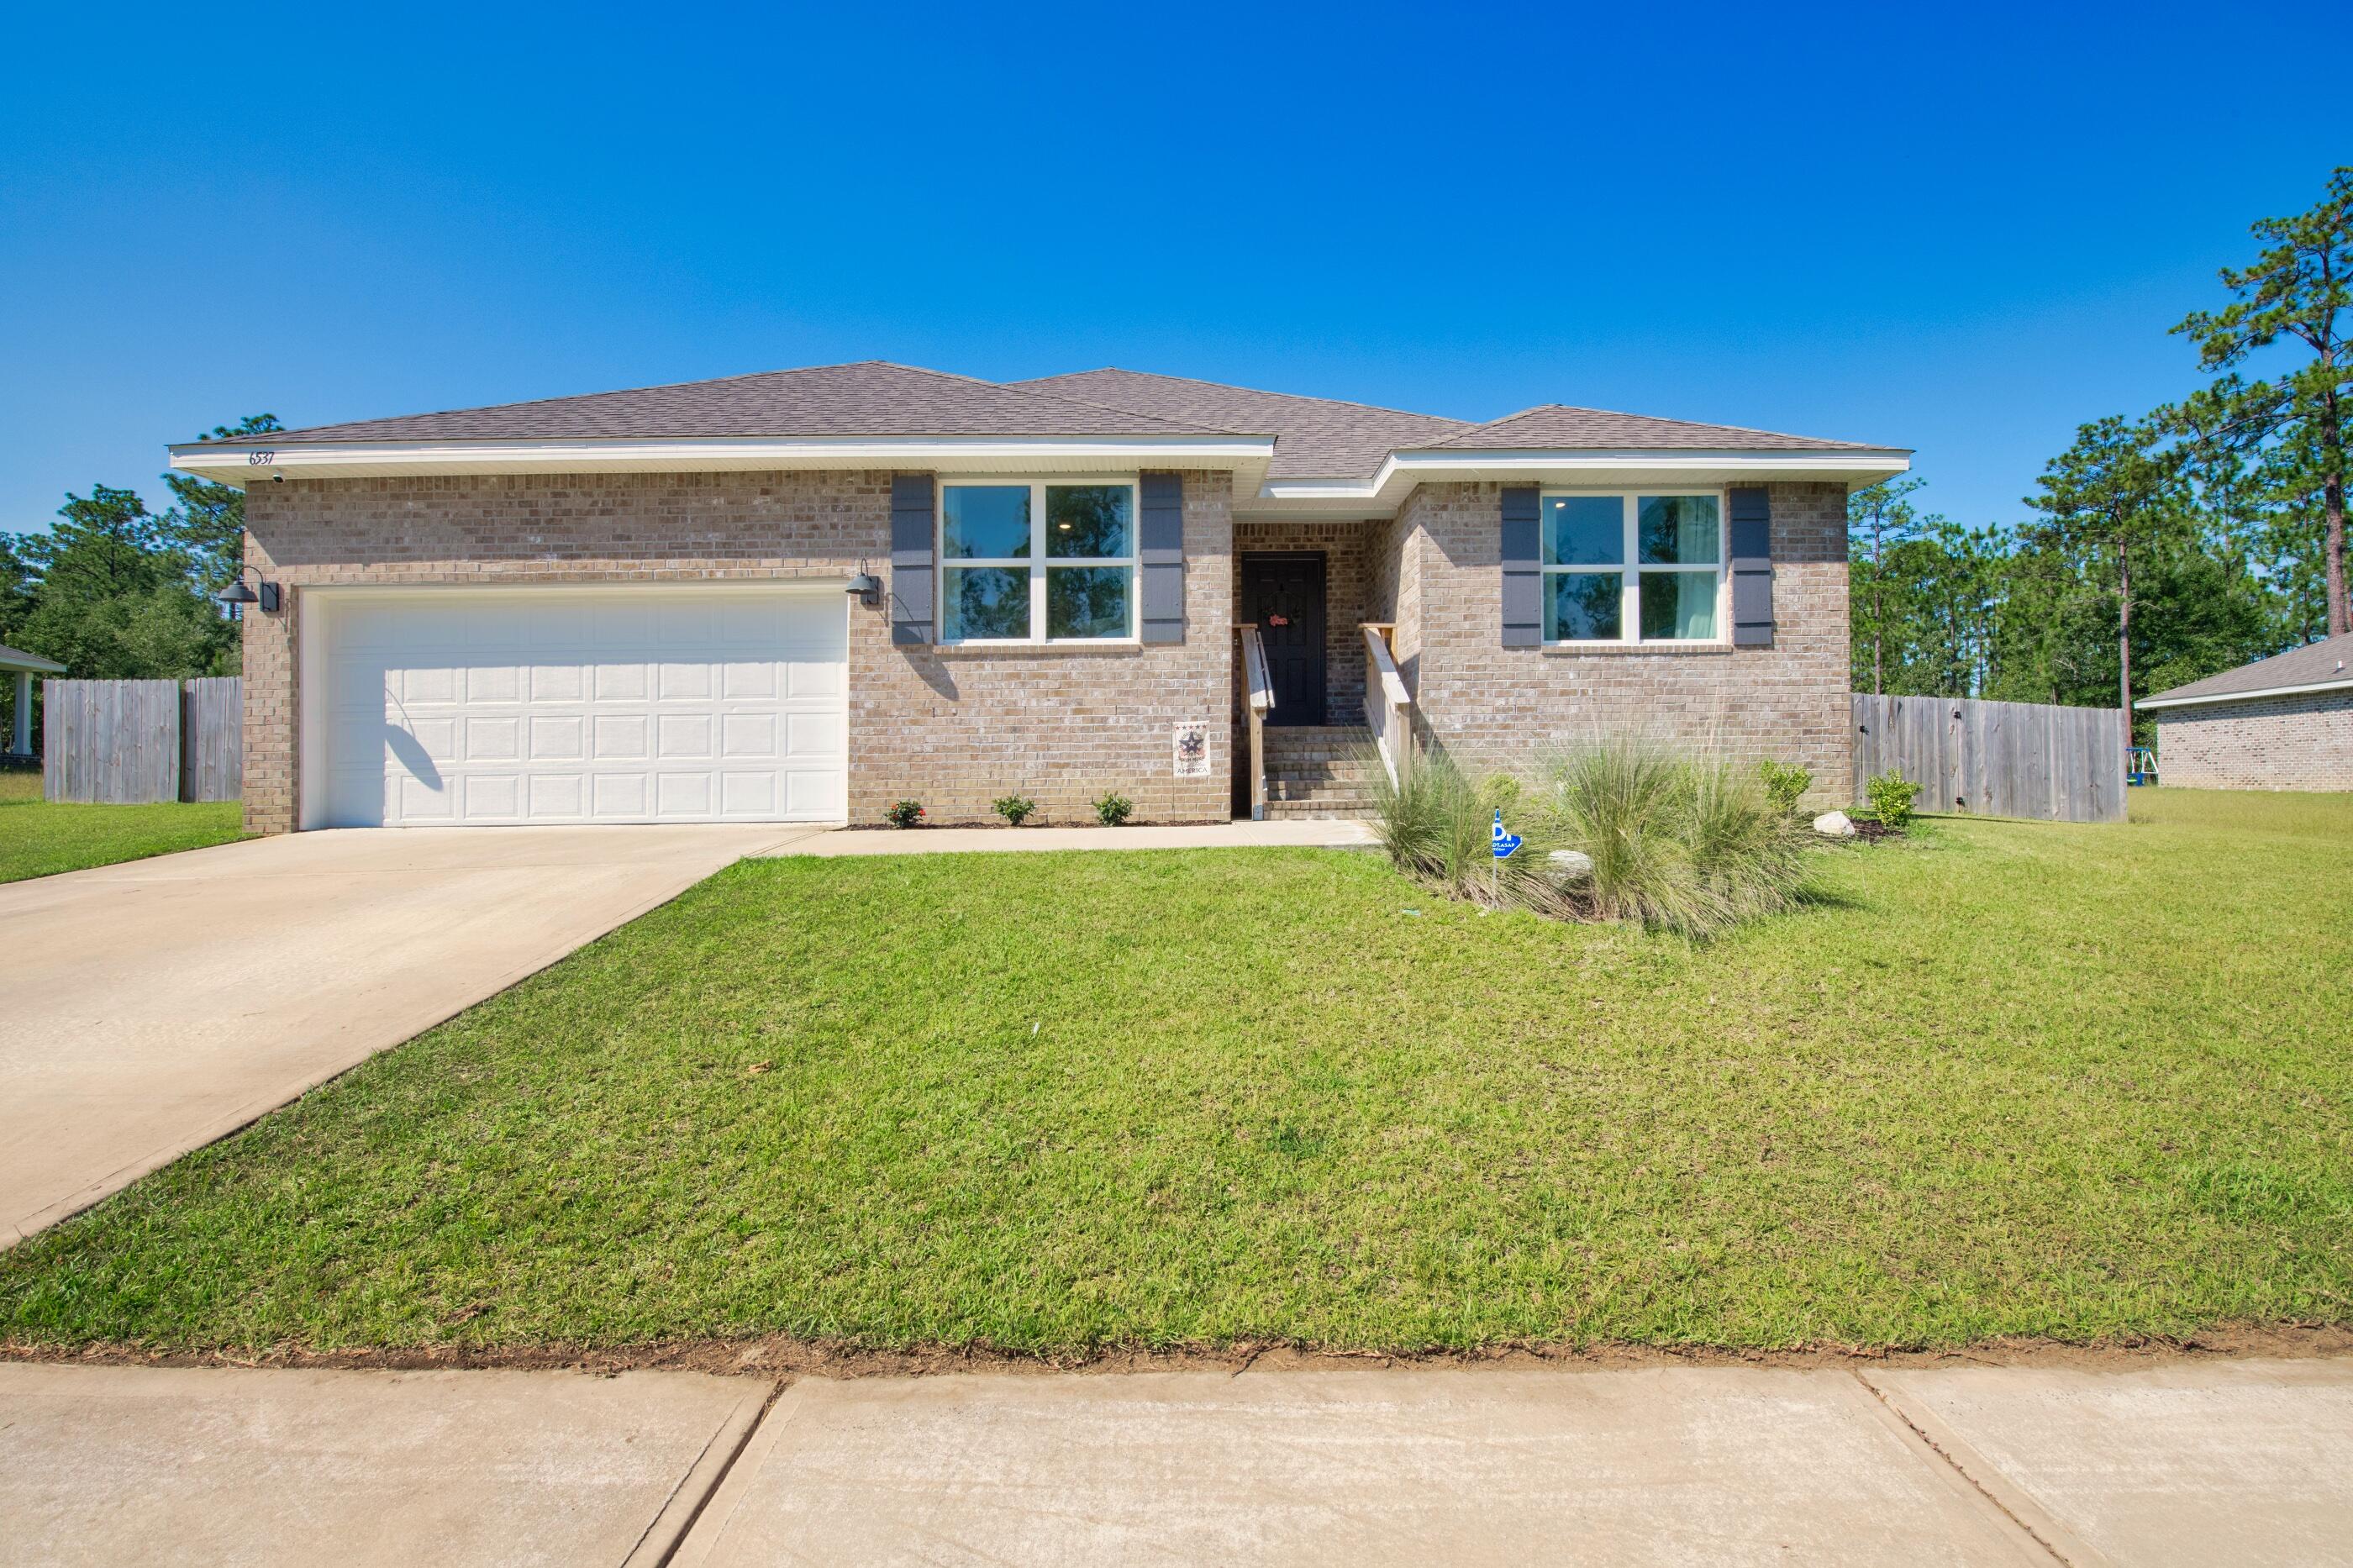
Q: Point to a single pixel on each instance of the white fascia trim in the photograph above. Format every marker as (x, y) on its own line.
(2339, 683)
(243, 461)
(1436, 466)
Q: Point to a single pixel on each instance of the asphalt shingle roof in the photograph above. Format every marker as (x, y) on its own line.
(19, 658)
(2331, 659)
(871, 398)
(1317, 437)
(1554, 427)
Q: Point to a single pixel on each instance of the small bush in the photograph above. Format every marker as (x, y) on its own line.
(1786, 783)
(903, 814)
(1014, 808)
(1891, 796)
(1113, 810)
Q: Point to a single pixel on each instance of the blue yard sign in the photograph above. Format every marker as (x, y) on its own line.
(1505, 842)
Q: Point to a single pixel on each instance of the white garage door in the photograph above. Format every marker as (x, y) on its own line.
(462, 706)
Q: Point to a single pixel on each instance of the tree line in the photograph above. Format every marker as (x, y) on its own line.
(115, 592)
(2194, 537)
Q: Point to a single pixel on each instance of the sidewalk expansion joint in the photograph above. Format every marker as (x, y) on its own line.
(1944, 1455)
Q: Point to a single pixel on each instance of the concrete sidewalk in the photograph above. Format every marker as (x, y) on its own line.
(1347, 834)
(2156, 1463)
(159, 1466)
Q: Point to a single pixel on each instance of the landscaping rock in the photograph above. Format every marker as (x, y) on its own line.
(1571, 865)
(1834, 825)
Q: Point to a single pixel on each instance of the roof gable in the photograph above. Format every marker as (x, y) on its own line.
(1559, 426)
(1315, 438)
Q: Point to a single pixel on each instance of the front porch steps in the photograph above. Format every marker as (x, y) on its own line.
(1321, 771)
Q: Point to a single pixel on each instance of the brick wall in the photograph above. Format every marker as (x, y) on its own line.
(1341, 545)
(2304, 741)
(1493, 705)
(950, 727)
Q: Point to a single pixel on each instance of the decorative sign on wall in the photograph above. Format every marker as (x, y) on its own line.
(1192, 749)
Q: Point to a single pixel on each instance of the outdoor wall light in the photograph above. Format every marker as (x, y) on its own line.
(239, 593)
(866, 586)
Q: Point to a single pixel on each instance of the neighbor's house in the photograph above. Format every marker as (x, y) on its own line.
(645, 606)
(2283, 722)
(20, 667)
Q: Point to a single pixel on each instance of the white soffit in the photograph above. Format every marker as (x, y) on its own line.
(1382, 494)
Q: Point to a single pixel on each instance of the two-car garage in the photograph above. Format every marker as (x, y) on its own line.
(574, 704)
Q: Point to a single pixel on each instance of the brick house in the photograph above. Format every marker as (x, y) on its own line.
(2283, 722)
(805, 595)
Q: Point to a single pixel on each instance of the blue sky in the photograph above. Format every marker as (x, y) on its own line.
(1878, 224)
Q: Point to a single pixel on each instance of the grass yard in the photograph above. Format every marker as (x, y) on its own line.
(39, 839)
(2005, 1078)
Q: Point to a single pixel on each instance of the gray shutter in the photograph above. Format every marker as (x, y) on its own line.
(1522, 555)
(1160, 535)
(910, 558)
(1752, 567)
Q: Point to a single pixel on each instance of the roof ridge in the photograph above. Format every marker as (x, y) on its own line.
(1260, 392)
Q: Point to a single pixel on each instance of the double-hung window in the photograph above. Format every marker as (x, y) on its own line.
(1037, 561)
(1633, 568)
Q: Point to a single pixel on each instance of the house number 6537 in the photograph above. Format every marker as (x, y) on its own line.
(260, 459)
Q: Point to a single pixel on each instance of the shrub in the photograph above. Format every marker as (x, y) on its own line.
(1014, 808)
(1786, 783)
(1891, 796)
(1692, 845)
(903, 814)
(1440, 828)
(1113, 809)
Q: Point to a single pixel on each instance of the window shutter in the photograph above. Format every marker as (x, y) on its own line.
(1522, 555)
(1752, 567)
(912, 579)
(1160, 538)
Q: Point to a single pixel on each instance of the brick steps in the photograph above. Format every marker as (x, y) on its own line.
(1319, 772)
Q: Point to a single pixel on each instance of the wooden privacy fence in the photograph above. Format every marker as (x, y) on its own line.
(1996, 759)
(129, 742)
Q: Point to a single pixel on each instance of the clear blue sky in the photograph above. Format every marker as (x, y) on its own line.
(1882, 224)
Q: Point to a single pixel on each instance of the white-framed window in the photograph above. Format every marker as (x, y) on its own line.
(1626, 566)
(1037, 560)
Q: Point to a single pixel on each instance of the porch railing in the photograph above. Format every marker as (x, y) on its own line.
(1258, 688)
(1388, 706)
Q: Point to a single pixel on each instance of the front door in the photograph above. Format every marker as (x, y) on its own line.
(1284, 594)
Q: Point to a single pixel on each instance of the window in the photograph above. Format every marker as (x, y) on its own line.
(1030, 561)
(1633, 568)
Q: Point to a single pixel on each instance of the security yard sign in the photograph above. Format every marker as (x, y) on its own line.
(1505, 842)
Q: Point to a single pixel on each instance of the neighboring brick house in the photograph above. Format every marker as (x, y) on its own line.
(806, 595)
(2283, 722)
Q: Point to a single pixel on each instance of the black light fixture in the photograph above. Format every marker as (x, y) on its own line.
(259, 593)
(866, 588)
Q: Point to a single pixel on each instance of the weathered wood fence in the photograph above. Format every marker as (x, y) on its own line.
(126, 742)
(1996, 759)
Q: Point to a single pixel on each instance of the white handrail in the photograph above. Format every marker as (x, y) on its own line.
(1388, 706)
(1259, 702)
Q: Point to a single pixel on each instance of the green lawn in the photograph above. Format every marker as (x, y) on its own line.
(39, 839)
(2005, 1078)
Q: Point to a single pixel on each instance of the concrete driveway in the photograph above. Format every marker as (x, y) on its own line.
(152, 1008)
